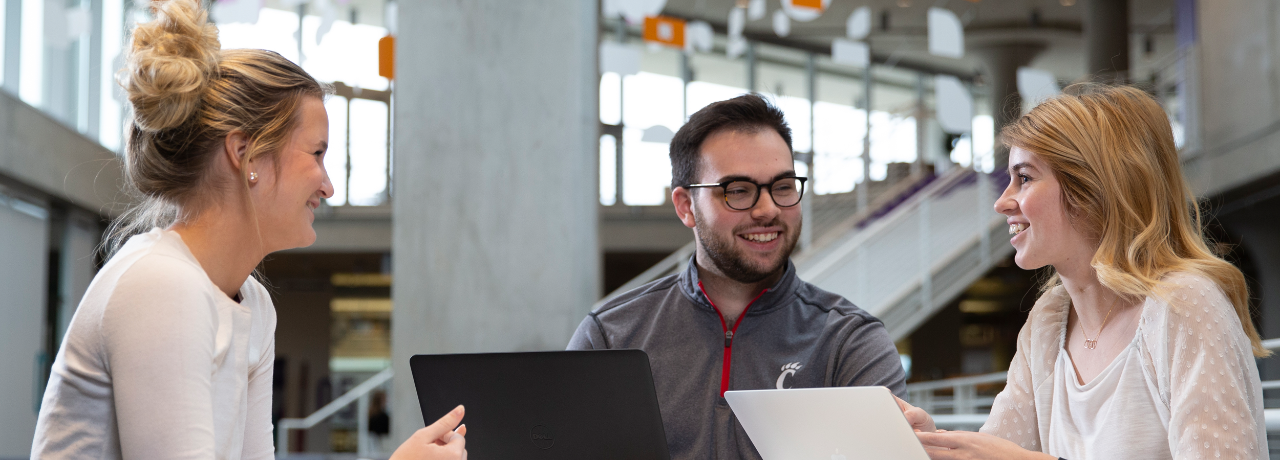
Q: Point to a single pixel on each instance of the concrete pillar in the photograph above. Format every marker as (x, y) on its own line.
(495, 243)
(1002, 61)
(1106, 40)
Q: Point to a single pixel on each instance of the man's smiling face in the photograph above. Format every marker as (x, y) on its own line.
(751, 245)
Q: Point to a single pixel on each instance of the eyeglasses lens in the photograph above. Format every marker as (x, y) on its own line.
(786, 192)
(742, 195)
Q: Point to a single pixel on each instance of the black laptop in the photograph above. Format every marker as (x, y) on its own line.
(547, 405)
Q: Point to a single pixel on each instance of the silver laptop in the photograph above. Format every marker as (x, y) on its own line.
(845, 423)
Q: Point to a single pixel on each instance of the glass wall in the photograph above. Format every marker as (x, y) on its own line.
(785, 82)
(31, 82)
(831, 125)
(337, 46)
(61, 56)
(839, 127)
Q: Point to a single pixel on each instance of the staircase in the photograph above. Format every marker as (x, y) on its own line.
(917, 256)
(922, 240)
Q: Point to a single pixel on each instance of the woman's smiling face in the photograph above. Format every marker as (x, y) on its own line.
(1038, 220)
(292, 183)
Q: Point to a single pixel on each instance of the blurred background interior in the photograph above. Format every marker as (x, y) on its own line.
(500, 167)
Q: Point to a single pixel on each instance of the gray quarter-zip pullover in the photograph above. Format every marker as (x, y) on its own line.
(793, 335)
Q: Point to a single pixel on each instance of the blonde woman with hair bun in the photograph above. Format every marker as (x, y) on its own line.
(170, 353)
(1141, 344)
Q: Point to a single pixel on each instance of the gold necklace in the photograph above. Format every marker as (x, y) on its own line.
(1093, 343)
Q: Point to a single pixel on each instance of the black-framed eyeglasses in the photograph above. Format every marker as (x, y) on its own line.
(742, 195)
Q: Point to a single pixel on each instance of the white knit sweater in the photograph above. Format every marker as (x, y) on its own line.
(159, 363)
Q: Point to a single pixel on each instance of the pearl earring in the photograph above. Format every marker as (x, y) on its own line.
(253, 177)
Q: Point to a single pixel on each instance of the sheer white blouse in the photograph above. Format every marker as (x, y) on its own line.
(1195, 362)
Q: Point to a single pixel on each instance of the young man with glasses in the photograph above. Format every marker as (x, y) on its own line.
(737, 317)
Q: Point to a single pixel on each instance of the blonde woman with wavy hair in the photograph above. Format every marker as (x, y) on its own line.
(171, 352)
(1141, 343)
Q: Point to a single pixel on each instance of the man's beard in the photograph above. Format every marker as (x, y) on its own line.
(729, 259)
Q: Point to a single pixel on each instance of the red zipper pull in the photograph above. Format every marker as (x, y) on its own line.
(728, 339)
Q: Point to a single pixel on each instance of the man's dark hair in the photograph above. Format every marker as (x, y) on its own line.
(747, 113)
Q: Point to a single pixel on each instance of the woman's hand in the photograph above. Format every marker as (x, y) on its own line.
(918, 418)
(967, 445)
(439, 441)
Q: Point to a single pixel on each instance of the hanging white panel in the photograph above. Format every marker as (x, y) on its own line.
(698, 36)
(756, 10)
(946, 34)
(658, 134)
(781, 24)
(619, 58)
(737, 21)
(736, 45)
(858, 26)
(1035, 85)
(955, 104)
(850, 53)
(328, 15)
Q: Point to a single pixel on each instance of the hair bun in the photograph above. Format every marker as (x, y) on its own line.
(172, 58)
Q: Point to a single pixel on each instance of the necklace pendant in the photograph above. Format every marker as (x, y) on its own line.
(1090, 344)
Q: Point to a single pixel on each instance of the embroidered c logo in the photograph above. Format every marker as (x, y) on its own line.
(789, 369)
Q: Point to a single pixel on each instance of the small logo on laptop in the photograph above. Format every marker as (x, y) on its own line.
(837, 456)
(542, 436)
(787, 370)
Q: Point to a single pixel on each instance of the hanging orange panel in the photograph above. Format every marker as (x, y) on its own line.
(387, 57)
(664, 30)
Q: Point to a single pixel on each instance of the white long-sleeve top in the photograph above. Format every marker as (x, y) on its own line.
(1190, 365)
(159, 363)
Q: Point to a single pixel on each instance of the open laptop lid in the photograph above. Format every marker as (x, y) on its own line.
(843, 423)
(547, 405)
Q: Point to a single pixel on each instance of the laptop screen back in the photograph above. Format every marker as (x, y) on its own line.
(547, 405)
(843, 423)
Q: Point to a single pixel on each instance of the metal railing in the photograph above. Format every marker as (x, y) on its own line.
(358, 395)
(964, 402)
(666, 266)
(906, 265)
(964, 397)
